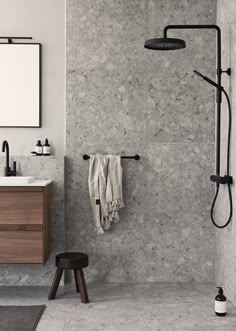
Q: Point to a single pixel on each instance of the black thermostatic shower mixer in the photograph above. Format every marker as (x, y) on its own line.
(165, 44)
(222, 180)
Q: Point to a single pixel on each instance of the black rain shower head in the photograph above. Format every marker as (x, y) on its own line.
(165, 44)
(208, 80)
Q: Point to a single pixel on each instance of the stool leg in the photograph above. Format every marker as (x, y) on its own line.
(82, 286)
(76, 282)
(55, 284)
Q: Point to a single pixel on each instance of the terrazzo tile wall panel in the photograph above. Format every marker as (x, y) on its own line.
(123, 99)
(49, 167)
(225, 267)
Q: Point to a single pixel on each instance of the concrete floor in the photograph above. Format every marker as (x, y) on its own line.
(127, 307)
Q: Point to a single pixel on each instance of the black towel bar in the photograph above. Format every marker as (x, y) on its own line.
(135, 157)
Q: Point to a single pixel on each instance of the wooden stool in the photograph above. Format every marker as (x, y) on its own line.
(71, 261)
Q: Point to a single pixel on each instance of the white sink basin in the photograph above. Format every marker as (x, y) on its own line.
(15, 180)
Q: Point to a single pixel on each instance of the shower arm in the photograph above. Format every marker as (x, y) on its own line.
(218, 77)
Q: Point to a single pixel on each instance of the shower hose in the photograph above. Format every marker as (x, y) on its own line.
(227, 173)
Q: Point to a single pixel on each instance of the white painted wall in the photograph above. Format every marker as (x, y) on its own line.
(44, 20)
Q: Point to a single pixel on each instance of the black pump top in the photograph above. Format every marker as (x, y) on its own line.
(46, 142)
(220, 290)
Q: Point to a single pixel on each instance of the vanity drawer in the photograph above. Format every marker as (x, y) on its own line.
(21, 207)
(21, 247)
(25, 224)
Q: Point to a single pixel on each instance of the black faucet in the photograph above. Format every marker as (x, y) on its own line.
(8, 171)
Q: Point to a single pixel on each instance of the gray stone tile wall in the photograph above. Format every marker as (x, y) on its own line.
(124, 99)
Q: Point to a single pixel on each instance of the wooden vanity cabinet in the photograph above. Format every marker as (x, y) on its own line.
(25, 224)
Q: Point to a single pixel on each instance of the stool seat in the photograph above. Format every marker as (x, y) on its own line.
(72, 260)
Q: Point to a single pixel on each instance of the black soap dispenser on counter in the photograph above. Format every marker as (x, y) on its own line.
(39, 148)
(220, 303)
(46, 148)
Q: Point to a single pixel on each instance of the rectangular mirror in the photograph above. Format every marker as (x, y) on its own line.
(20, 85)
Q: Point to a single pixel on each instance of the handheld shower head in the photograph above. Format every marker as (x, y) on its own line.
(197, 73)
(208, 80)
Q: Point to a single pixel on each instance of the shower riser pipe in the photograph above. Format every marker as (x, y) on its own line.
(218, 79)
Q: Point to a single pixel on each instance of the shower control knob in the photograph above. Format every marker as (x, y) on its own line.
(222, 180)
(228, 71)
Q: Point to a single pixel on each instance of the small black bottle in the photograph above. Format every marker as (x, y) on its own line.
(39, 148)
(220, 303)
(46, 148)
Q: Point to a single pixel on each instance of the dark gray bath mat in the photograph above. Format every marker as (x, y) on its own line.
(20, 318)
